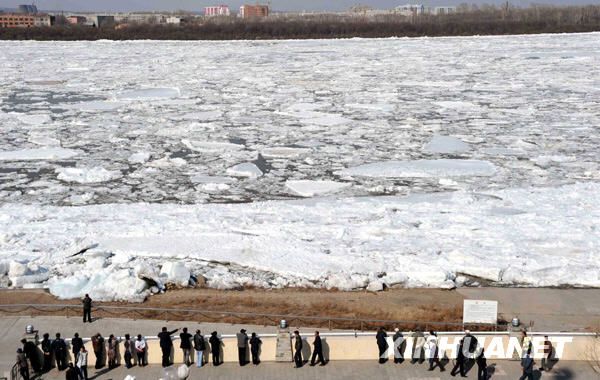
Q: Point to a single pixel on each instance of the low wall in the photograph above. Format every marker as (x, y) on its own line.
(362, 346)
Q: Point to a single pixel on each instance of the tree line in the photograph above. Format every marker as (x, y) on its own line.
(488, 20)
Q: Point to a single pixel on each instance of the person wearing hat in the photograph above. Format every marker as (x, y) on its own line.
(242, 343)
(215, 348)
(398, 346)
(22, 364)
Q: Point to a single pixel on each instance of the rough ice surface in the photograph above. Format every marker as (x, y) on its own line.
(197, 143)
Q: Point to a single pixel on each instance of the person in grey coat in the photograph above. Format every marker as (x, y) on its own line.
(242, 344)
(298, 349)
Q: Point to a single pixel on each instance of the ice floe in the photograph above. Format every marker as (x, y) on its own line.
(309, 188)
(87, 175)
(246, 169)
(39, 154)
(446, 145)
(149, 94)
(423, 169)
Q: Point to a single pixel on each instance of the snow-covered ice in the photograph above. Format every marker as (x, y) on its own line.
(423, 162)
(56, 153)
(423, 169)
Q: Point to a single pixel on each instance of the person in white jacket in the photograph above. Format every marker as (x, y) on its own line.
(140, 350)
(431, 351)
(82, 359)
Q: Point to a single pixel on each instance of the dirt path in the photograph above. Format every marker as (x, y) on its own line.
(398, 304)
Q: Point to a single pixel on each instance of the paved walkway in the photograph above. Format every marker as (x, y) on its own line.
(342, 370)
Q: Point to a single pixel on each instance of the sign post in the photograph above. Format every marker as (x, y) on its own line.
(480, 311)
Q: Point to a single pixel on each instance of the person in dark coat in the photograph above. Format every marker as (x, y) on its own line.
(72, 373)
(31, 352)
(298, 349)
(87, 309)
(199, 346)
(215, 348)
(545, 366)
(47, 351)
(460, 361)
(317, 350)
(22, 364)
(76, 344)
(242, 344)
(482, 372)
(166, 345)
(255, 343)
(128, 354)
(398, 346)
(59, 348)
(98, 347)
(382, 344)
(186, 345)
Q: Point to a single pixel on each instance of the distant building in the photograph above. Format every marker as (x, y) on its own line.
(443, 10)
(251, 11)
(76, 20)
(410, 9)
(174, 20)
(20, 20)
(217, 10)
(27, 9)
(103, 20)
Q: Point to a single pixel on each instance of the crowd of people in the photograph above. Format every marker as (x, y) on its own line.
(196, 349)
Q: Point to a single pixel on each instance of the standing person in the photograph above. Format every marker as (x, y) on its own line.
(111, 351)
(76, 344)
(317, 350)
(527, 366)
(47, 351)
(382, 344)
(242, 344)
(398, 342)
(255, 343)
(199, 346)
(81, 363)
(59, 348)
(482, 372)
(431, 351)
(471, 344)
(31, 352)
(72, 373)
(418, 346)
(98, 347)
(298, 349)
(87, 309)
(215, 348)
(186, 345)
(22, 364)
(140, 350)
(460, 361)
(128, 354)
(166, 345)
(547, 354)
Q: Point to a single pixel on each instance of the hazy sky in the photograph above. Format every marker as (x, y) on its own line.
(197, 5)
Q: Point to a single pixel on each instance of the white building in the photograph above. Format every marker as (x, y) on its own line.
(410, 9)
(174, 20)
(217, 10)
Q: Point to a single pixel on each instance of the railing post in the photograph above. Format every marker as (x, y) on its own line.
(329, 320)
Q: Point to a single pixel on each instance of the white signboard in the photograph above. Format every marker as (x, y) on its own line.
(478, 311)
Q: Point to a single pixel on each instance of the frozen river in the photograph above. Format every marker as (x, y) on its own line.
(507, 129)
